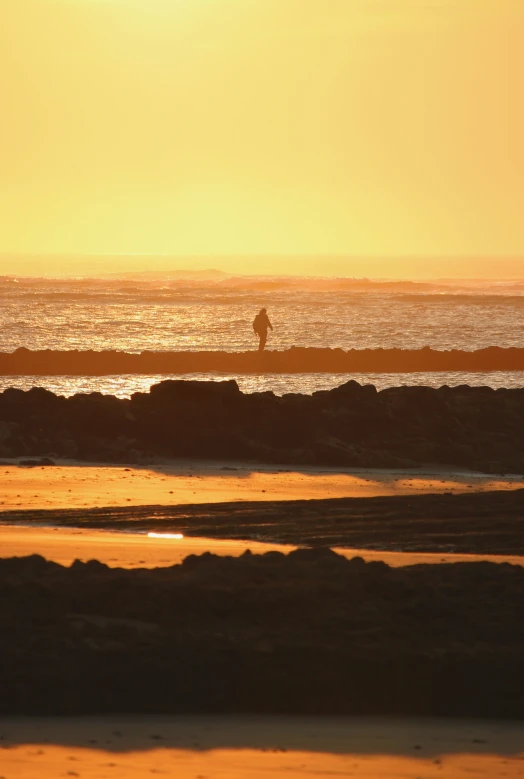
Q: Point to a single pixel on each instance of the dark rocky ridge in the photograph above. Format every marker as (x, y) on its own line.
(306, 633)
(352, 425)
(294, 360)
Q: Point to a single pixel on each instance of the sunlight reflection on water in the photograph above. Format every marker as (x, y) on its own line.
(130, 316)
(123, 386)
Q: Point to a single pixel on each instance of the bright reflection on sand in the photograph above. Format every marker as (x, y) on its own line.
(176, 536)
(262, 747)
(77, 485)
(48, 761)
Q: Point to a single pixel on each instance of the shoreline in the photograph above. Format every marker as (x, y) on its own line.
(371, 735)
(260, 747)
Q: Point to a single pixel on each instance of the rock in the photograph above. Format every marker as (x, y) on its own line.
(176, 390)
(7, 429)
(314, 555)
(352, 425)
(273, 634)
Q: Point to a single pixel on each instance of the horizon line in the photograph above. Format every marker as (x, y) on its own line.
(409, 255)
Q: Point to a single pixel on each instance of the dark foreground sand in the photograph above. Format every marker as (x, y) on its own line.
(227, 747)
(310, 632)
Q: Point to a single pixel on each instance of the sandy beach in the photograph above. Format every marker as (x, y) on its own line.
(71, 484)
(258, 747)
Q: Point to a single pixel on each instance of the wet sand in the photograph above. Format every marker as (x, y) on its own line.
(118, 550)
(470, 522)
(74, 485)
(128, 550)
(258, 747)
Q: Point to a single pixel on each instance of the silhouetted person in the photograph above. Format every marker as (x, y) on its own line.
(260, 326)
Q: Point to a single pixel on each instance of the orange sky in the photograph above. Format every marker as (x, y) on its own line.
(229, 127)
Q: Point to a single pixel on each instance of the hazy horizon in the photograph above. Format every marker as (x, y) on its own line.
(322, 266)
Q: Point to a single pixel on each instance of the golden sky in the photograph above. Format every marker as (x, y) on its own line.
(230, 127)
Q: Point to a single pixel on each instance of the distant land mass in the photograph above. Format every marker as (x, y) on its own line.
(334, 265)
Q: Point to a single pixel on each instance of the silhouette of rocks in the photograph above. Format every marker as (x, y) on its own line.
(352, 425)
(310, 632)
(294, 360)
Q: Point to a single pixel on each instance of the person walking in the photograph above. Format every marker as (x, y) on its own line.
(260, 326)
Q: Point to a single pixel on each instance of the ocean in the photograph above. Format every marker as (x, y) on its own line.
(188, 314)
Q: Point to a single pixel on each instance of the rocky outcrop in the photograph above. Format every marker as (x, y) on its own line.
(294, 360)
(310, 633)
(352, 425)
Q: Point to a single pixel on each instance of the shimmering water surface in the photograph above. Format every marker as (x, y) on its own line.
(131, 315)
(123, 386)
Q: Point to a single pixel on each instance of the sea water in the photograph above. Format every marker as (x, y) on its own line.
(216, 314)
